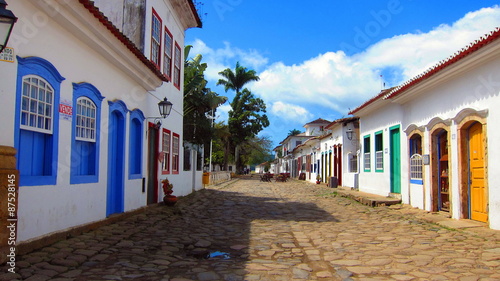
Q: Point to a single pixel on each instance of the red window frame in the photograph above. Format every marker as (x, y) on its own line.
(175, 153)
(166, 151)
(168, 50)
(154, 41)
(177, 66)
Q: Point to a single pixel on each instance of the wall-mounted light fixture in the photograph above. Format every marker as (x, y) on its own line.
(350, 134)
(164, 107)
(7, 21)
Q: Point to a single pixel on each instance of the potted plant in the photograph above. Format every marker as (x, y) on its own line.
(168, 199)
(318, 179)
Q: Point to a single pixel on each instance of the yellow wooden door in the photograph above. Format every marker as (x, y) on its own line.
(478, 198)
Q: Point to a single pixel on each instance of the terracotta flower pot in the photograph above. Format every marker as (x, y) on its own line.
(170, 200)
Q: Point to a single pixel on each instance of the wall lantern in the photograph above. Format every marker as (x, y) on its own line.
(164, 106)
(350, 134)
(7, 21)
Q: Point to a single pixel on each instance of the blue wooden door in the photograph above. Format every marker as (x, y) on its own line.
(116, 159)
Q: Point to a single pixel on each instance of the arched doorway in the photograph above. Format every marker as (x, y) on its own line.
(440, 170)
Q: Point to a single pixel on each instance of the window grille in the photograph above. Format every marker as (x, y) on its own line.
(367, 161)
(353, 163)
(85, 120)
(416, 167)
(37, 105)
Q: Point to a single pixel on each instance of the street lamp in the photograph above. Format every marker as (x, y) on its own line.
(350, 134)
(7, 21)
(164, 106)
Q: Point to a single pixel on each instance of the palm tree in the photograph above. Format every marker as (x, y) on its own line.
(237, 79)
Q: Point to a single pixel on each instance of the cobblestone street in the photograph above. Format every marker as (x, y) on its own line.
(252, 230)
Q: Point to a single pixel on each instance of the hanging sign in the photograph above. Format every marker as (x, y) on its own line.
(7, 54)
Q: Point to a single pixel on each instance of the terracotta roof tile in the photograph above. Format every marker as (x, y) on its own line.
(457, 56)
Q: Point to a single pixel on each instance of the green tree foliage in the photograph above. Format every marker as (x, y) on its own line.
(294, 132)
(257, 150)
(199, 101)
(237, 79)
(247, 116)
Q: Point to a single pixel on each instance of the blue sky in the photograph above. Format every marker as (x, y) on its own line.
(322, 59)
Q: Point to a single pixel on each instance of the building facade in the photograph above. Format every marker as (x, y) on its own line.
(429, 140)
(78, 100)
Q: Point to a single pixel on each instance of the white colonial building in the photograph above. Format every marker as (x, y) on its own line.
(79, 97)
(429, 140)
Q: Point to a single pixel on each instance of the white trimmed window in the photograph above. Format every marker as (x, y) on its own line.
(353, 163)
(416, 165)
(85, 120)
(367, 154)
(167, 59)
(166, 151)
(37, 105)
(177, 66)
(175, 153)
(155, 39)
(379, 153)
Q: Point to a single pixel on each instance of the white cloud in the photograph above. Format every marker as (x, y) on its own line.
(415, 52)
(340, 82)
(222, 58)
(333, 81)
(291, 112)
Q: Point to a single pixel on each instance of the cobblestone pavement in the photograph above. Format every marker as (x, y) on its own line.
(268, 231)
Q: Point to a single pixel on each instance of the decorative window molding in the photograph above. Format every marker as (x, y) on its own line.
(85, 136)
(36, 136)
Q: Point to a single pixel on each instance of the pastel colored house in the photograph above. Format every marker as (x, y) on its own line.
(293, 160)
(77, 100)
(429, 140)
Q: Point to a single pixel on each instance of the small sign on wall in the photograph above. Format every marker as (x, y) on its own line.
(426, 159)
(65, 110)
(7, 55)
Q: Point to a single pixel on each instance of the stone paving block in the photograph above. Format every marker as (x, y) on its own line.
(329, 239)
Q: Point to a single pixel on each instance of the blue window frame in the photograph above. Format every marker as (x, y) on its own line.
(36, 122)
(85, 135)
(135, 145)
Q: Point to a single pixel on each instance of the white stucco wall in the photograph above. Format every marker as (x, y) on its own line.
(376, 182)
(478, 90)
(46, 209)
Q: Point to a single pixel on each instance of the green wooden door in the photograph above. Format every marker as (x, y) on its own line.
(395, 147)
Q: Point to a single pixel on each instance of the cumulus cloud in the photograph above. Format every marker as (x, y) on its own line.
(226, 57)
(290, 111)
(340, 82)
(413, 53)
(336, 82)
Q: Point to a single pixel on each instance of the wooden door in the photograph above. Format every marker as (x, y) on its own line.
(395, 165)
(478, 198)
